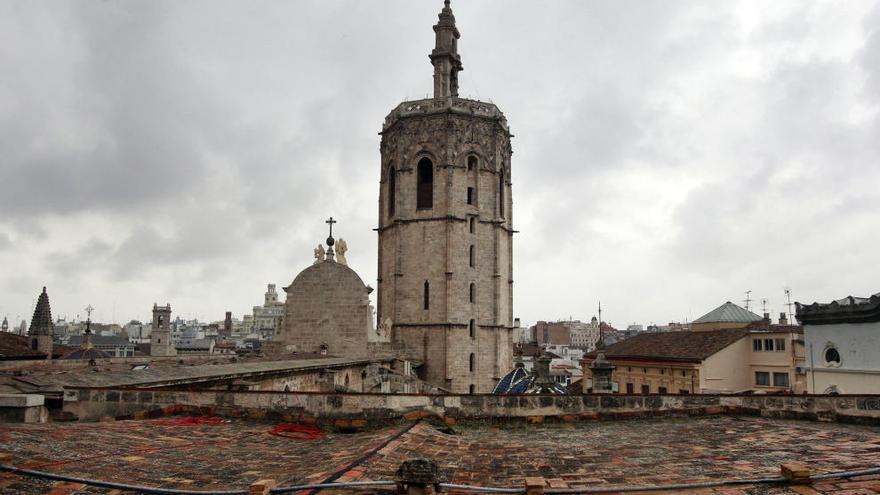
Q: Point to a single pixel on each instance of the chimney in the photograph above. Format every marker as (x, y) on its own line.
(783, 319)
(516, 323)
(542, 368)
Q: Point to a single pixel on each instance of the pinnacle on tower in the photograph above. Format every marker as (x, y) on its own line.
(445, 57)
(41, 323)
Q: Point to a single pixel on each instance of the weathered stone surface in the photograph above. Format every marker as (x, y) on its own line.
(327, 308)
(460, 237)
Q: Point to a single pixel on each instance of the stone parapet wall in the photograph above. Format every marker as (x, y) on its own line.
(22, 408)
(96, 404)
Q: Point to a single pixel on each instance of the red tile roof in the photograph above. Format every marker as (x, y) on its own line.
(674, 346)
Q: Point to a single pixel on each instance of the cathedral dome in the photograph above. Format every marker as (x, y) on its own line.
(327, 311)
(326, 274)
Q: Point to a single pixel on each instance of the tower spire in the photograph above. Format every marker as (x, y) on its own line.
(445, 57)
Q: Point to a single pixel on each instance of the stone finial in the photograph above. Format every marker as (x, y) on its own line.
(319, 253)
(341, 249)
(445, 57)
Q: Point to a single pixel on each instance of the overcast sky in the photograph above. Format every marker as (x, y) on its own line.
(668, 155)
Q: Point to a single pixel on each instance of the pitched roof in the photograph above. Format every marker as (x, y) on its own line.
(13, 346)
(41, 323)
(90, 353)
(728, 312)
(674, 346)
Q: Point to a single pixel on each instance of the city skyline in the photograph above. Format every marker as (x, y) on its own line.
(667, 158)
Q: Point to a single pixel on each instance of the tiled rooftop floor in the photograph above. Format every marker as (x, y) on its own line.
(637, 452)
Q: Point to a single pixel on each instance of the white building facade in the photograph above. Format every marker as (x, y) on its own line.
(842, 340)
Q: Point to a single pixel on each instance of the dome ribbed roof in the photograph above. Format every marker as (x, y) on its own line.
(728, 312)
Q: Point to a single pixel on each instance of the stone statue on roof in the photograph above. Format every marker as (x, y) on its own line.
(319, 253)
(341, 249)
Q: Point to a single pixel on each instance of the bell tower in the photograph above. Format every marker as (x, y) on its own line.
(445, 230)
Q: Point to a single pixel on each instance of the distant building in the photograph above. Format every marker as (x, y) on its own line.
(194, 346)
(585, 335)
(137, 332)
(728, 315)
(112, 345)
(762, 358)
(843, 343)
(545, 333)
(267, 319)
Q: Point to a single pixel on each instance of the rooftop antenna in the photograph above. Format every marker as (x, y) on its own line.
(748, 299)
(789, 303)
(763, 305)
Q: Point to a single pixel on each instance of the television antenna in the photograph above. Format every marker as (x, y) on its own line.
(789, 303)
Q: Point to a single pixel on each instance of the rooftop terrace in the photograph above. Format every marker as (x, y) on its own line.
(233, 454)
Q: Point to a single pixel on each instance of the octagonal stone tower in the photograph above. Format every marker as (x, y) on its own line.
(445, 230)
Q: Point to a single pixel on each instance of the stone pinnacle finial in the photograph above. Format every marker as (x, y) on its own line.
(445, 57)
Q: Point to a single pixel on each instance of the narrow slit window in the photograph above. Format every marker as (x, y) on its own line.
(471, 255)
(501, 193)
(427, 295)
(471, 293)
(392, 191)
(470, 195)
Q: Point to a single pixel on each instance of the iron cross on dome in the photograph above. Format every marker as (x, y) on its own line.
(330, 222)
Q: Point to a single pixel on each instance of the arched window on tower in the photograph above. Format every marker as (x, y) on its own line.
(392, 191)
(472, 162)
(426, 295)
(425, 187)
(472, 361)
(501, 193)
(471, 293)
(472, 327)
(471, 256)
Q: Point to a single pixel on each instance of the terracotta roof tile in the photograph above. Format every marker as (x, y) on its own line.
(679, 346)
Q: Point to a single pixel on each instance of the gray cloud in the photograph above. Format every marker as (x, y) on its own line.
(667, 157)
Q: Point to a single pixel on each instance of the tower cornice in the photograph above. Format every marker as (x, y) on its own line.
(438, 106)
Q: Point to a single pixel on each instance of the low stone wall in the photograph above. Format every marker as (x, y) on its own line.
(96, 404)
(68, 364)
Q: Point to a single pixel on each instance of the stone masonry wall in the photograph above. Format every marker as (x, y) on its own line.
(328, 304)
(96, 404)
(434, 245)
